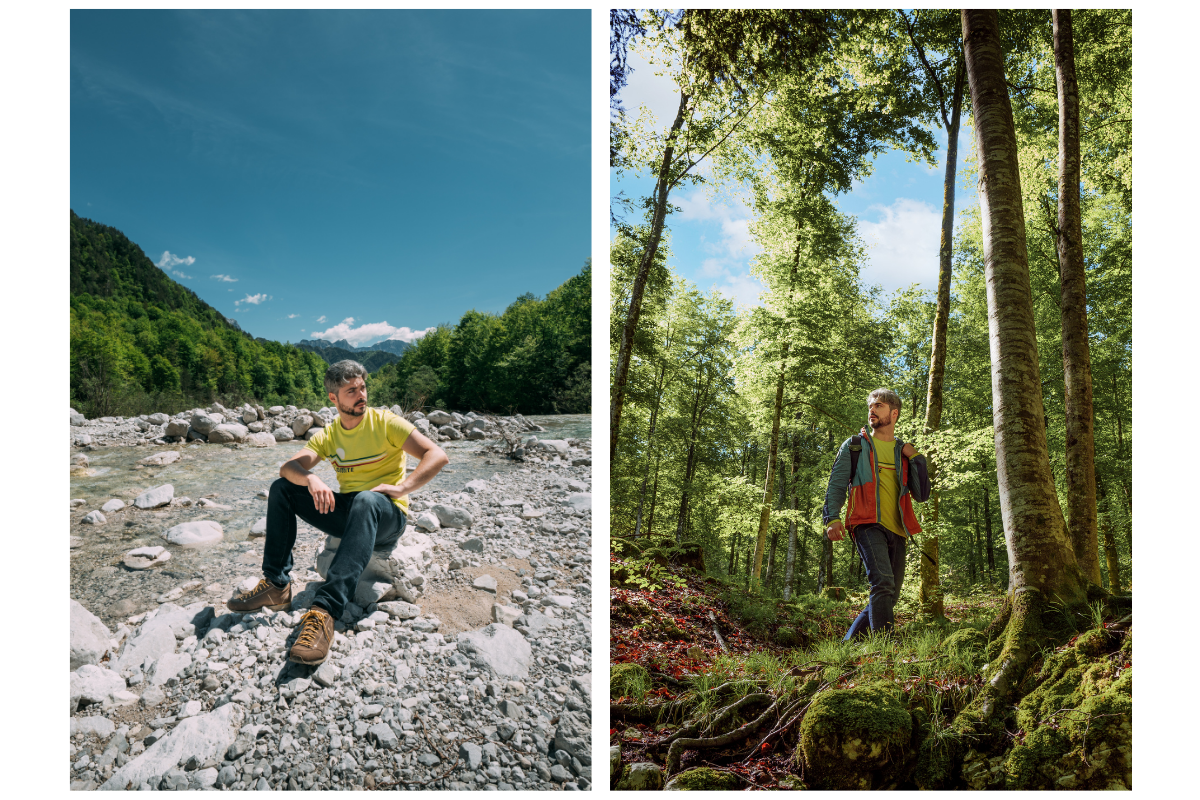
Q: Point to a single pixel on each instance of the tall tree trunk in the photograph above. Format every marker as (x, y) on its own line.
(733, 552)
(789, 571)
(1042, 567)
(930, 594)
(653, 498)
(1111, 556)
(764, 519)
(659, 203)
(987, 521)
(1077, 363)
(658, 386)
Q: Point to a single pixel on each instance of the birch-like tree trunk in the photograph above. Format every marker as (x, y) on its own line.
(930, 594)
(790, 565)
(1077, 365)
(658, 218)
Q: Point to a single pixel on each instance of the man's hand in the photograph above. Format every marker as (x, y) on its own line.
(386, 488)
(322, 495)
(835, 531)
(908, 450)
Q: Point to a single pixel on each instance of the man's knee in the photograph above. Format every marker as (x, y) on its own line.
(370, 501)
(278, 488)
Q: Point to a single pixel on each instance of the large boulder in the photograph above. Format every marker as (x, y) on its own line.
(498, 648)
(176, 427)
(93, 684)
(77, 418)
(453, 516)
(204, 422)
(194, 534)
(401, 571)
(203, 737)
(283, 434)
(260, 439)
(158, 419)
(301, 424)
(153, 498)
(855, 738)
(90, 638)
(438, 417)
(228, 432)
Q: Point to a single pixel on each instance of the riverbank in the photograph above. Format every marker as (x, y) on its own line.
(484, 681)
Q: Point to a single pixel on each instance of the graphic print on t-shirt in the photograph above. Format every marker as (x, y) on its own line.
(342, 464)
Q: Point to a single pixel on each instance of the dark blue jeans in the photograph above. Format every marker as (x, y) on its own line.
(364, 521)
(882, 553)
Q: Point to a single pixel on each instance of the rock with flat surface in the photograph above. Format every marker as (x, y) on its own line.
(89, 637)
(283, 434)
(439, 417)
(228, 432)
(168, 666)
(402, 569)
(498, 647)
(194, 534)
(259, 528)
(156, 497)
(161, 459)
(112, 506)
(428, 521)
(203, 737)
(93, 518)
(146, 557)
(453, 516)
(579, 501)
(260, 439)
(485, 582)
(574, 734)
(400, 609)
(94, 684)
(204, 422)
(176, 427)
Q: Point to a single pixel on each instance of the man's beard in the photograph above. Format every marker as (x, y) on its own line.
(877, 423)
(353, 411)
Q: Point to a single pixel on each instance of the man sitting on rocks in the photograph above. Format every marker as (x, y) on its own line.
(366, 448)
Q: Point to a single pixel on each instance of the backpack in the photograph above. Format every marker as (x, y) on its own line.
(855, 449)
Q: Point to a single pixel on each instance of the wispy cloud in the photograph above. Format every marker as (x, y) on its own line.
(253, 299)
(727, 268)
(903, 244)
(369, 333)
(169, 261)
(224, 278)
(321, 318)
(292, 316)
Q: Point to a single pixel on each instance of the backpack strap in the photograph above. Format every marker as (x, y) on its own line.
(855, 451)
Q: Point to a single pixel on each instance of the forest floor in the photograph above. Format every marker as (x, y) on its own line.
(777, 701)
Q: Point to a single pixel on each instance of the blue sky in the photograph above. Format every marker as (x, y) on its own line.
(898, 209)
(360, 175)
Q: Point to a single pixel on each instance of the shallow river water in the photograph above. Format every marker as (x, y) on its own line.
(230, 477)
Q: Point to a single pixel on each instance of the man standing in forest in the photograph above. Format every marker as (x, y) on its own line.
(367, 448)
(880, 515)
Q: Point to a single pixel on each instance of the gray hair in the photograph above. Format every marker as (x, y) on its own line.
(883, 395)
(341, 373)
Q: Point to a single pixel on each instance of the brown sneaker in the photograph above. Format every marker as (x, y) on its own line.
(316, 634)
(264, 595)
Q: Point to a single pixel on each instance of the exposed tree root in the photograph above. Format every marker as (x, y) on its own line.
(716, 632)
(679, 745)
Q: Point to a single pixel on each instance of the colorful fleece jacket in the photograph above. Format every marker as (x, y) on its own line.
(864, 493)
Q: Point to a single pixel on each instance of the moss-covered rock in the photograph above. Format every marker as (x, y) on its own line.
(1077, 723)
(965, 639)
(980, 771)
(834, 593)
(616, 770)
(1095, 643)
(628, 680)
(703, 779)
(855, 738)
(640, 777)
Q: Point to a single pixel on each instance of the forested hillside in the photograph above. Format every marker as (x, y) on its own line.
(1015, 377)
(142, 343)
(535, 358)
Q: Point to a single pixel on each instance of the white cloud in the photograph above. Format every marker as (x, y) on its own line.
(321, 318)
(733, 221)
(169, 261)
(903, 244)
(743, 289)
(369, 333)
(253, 299)
(292, 316)
(224, 278)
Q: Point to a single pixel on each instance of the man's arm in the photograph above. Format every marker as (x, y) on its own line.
(918, 475)
(835, 493)
(432, 457)
(296, 470)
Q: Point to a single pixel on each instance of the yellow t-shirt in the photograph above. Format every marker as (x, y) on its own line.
(889, 486)
(367, 456)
